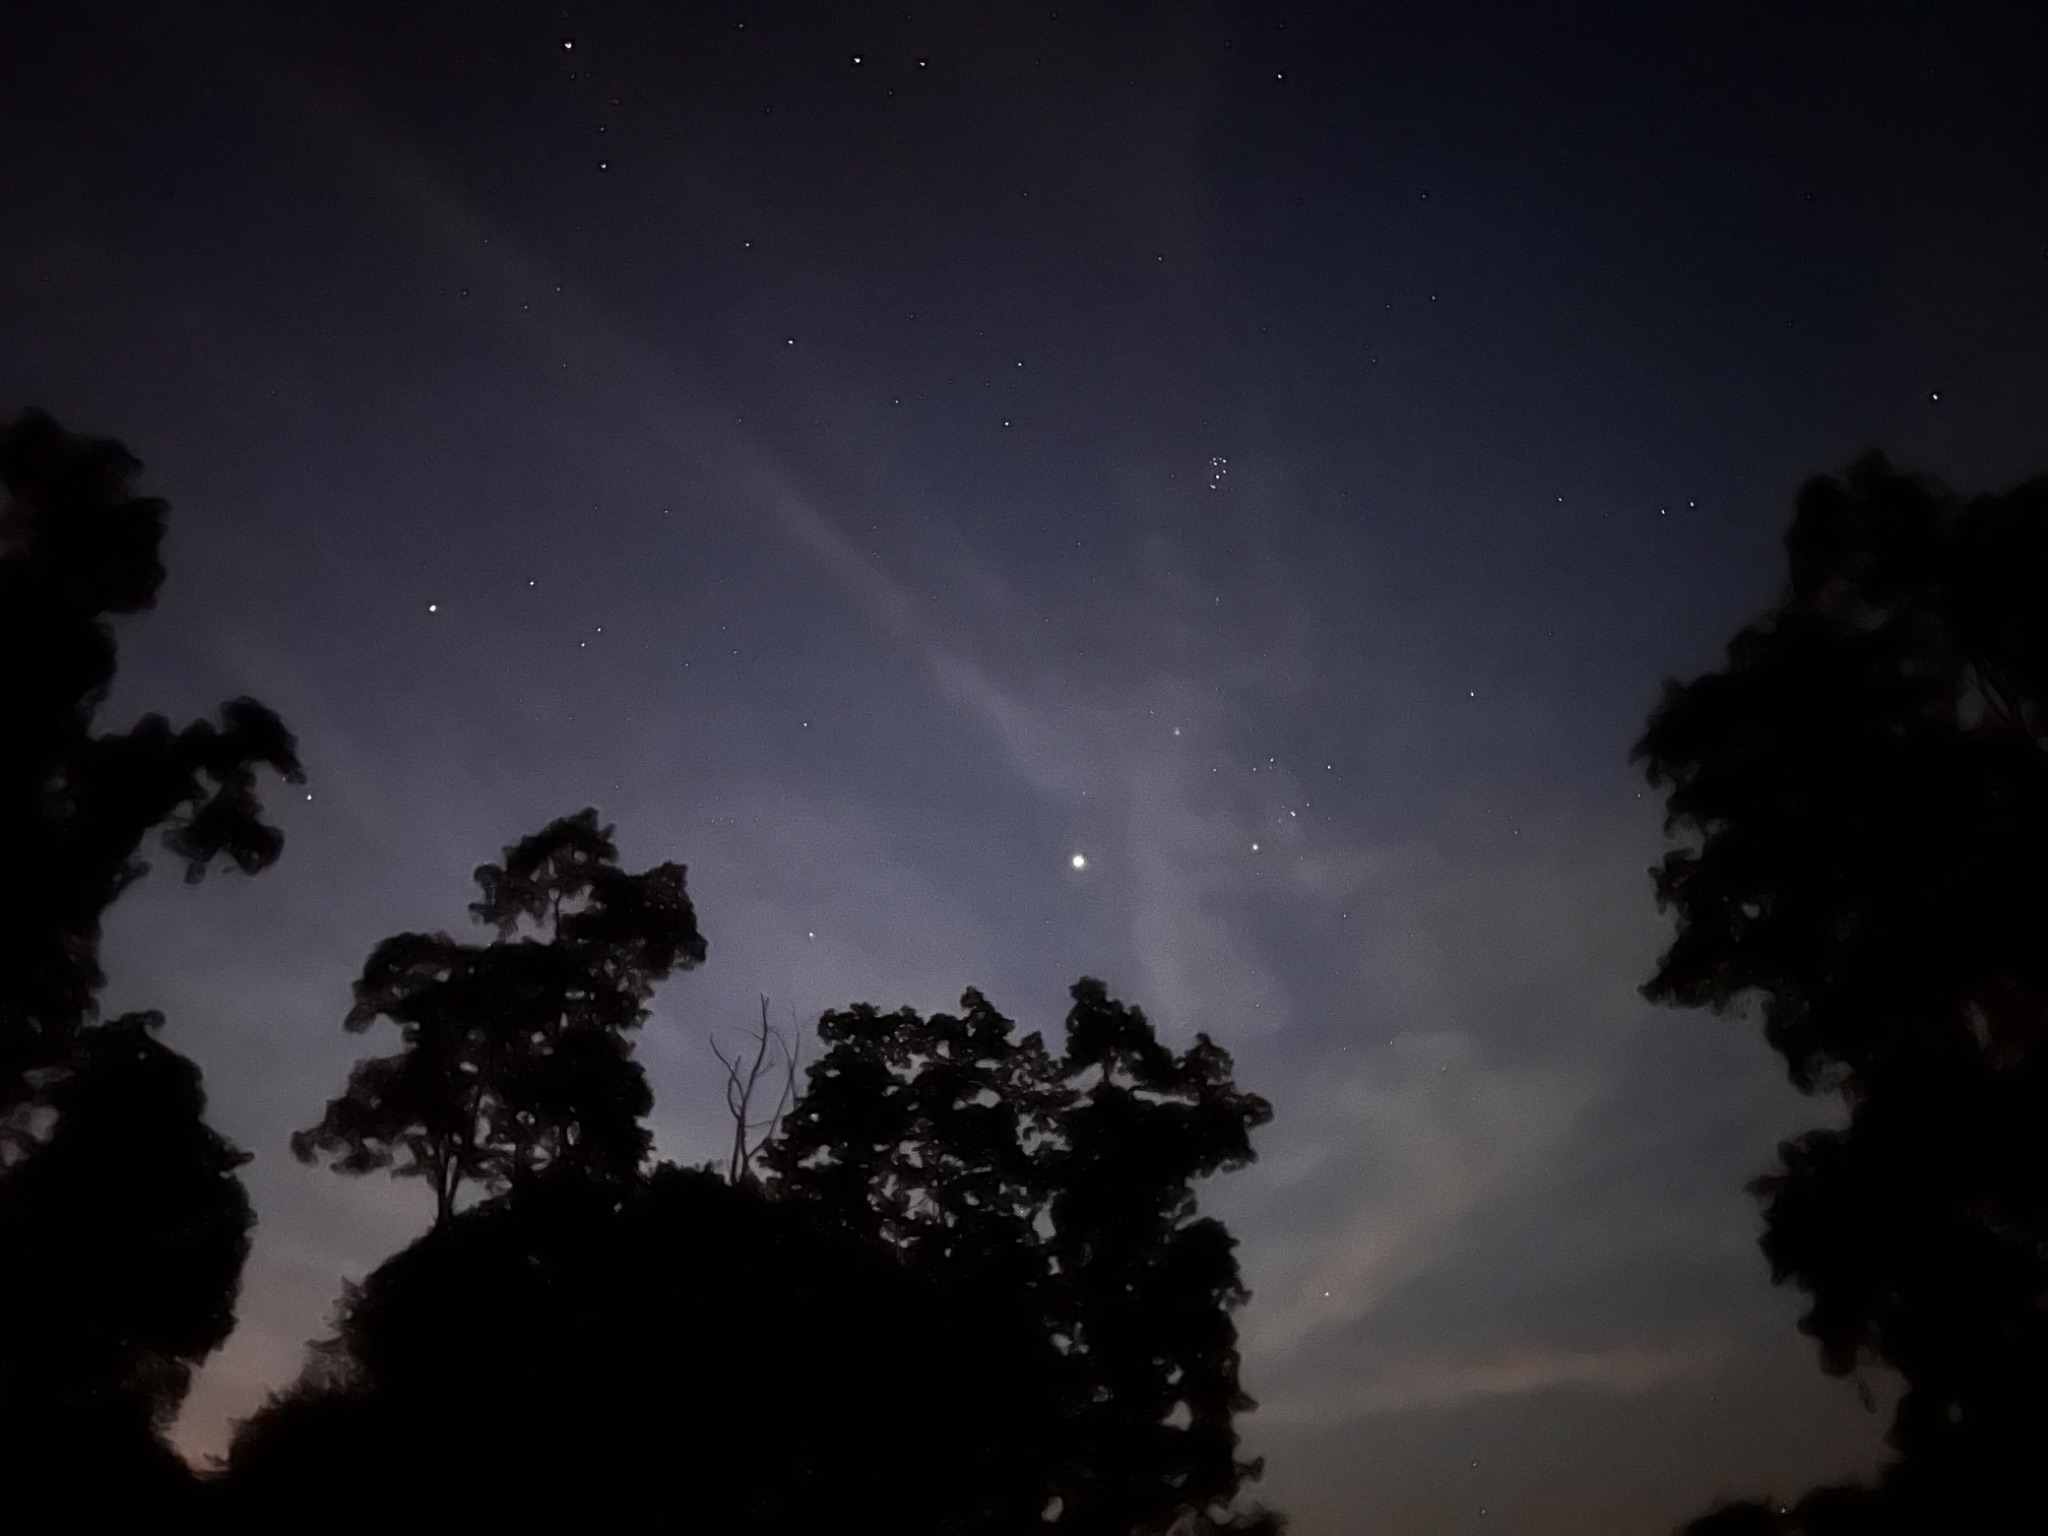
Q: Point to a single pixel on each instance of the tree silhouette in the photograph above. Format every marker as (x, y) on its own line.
(1862, 791)
(124, 1235)
(514, 1057)
(1058, 1191)
(78, 546)
(919, 1322)
(122, 1225)
(1147, 1286)
(676, 1354)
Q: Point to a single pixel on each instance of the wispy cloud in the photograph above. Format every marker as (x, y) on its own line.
(1421, 1382)
(1402, 1152)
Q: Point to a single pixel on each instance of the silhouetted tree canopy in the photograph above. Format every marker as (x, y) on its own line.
(972, 1297)
(678, 1354)
(123, 1236)
(78, 546)
(514, 1056)
(1060, 1190)
(123, 1228)
(1861, 794)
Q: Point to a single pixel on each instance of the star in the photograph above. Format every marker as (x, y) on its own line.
(1079, 861)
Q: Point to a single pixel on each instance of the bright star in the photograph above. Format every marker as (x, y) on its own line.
(1079, 861)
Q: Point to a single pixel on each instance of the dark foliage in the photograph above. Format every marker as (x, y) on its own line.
(125, 1232)
(124, 1235)
(973, 1296)
(514, 1057)
(1058, 1190)
(677, 1355)
(122, 1226)
(77, 547)
(1862, 791)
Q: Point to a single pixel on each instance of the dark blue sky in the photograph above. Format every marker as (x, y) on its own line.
(1273, 452)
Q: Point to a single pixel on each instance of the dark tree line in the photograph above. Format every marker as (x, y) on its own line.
(960, 1286)
(971, 1295)
(1862, 797)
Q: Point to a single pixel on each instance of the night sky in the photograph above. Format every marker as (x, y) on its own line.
(1194, 495)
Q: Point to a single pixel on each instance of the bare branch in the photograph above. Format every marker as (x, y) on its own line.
(744, 1071)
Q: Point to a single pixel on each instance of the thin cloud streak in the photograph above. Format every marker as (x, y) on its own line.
(681, 419)
(1421, 1138)
(1428, 1382)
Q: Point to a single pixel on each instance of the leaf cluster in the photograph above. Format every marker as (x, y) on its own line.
(1060, 1189)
